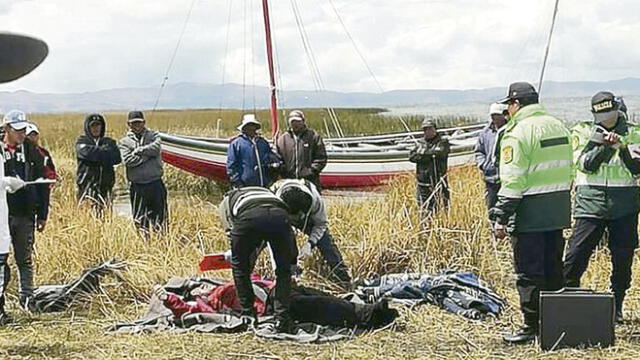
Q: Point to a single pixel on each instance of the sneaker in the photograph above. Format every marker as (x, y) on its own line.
(524, 335)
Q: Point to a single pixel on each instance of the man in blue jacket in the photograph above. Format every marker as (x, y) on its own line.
(249, 156)
(484, 152)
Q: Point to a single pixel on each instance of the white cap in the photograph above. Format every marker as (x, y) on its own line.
(496, 108)
(31, 127)
(16, 119)
(296, 115)
(248, 119)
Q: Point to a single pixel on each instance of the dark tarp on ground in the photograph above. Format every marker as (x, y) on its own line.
(54, 298)
(160, 318)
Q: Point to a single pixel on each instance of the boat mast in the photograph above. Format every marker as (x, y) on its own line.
(267, 34)
(546, 51)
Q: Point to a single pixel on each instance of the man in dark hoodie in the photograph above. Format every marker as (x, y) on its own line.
(29, 206)
(140, 149)
(302, 151)
(97, 155)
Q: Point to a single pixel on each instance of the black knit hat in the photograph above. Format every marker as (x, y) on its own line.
(135, 116)
(296, 199)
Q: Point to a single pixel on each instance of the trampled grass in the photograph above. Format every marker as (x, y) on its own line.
(377, 235)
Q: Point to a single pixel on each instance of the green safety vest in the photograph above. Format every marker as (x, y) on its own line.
(536, 167)
(612, 191)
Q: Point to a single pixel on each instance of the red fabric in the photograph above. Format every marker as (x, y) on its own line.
(179, 307)
(49, 167)
(222, 299)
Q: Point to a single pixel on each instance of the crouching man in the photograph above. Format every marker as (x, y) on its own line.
(251, 215)
(308, 215)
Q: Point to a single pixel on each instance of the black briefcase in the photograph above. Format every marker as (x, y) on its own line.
(573, 317)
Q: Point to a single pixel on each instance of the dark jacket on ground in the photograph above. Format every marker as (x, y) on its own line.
(96, 159)
(431, 158)
(249, 161)
(26, 163)
(304, 155)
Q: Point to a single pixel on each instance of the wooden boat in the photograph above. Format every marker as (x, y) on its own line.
(353, 162)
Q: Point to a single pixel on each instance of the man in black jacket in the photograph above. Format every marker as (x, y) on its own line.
(97, 155)
(431, 156)
(28, 207)
(250, 216)
(302, 151)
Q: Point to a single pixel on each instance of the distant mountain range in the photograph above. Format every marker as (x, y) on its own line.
(200, 95)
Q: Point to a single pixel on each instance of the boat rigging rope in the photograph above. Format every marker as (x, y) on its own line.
(173, 57)
(224, 59)
(253, 67)
(313, 65)
(244, 52)
(546, 51)
(355, 46)
(366, 63)
(281, 101)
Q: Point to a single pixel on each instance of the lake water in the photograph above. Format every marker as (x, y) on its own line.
(569, 109)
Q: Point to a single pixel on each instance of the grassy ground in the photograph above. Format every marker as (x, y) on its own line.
(378, 235)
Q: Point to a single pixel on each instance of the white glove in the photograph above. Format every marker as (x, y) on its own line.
(305, 251)
(13, 184)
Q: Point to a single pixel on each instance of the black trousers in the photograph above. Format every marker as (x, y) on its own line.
(432, 198)
(149, 205)
(538, 264)
(333, 257)
(623, 239)
(491, 194)
(3, 280)
(250, 229)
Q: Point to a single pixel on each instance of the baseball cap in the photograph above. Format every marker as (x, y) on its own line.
(31, 127)
(428, 123)
(603, 104)
(497, 108)
(135, 116)
(16, 119)
(296, 115)
(518, 90)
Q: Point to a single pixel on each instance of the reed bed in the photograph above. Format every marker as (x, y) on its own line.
(377, 235)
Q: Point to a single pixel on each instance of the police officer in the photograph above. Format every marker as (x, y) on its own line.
(431, 155)
(252, 215)
(535, 174)
(607, 194)
(311, 218)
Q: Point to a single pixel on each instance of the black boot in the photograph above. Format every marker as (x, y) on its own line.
(619, 298)
(524, 335)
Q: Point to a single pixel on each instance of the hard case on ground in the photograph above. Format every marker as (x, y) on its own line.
(573, 317)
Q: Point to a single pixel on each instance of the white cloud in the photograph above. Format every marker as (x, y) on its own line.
(97, 44)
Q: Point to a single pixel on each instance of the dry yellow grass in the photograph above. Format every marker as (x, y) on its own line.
(377, 235)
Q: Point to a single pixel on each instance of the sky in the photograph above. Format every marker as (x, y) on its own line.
(407, 44)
